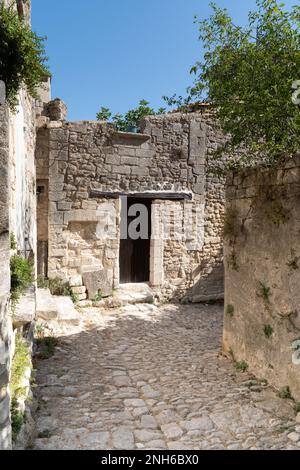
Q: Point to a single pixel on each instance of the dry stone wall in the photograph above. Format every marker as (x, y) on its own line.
(170, 155)
(262, 273)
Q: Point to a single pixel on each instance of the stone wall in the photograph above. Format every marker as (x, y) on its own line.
(262, 273)
(5, 321)
(17, 216)
(77, 159)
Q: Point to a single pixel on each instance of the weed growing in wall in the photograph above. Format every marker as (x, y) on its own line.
(13, 242)
(21, 272)
(230, 310)
(297, 407)
(285, 393)
(20, 364)
(232, 261)
(293, 263)
(268, 331)
(264, 293)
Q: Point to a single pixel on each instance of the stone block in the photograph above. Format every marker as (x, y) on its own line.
(45, 305)
(25, 309)
(98, 282)
(76, 281)
(79, 290)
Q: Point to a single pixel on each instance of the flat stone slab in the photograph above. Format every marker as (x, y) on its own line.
(66, 312)
(134, 294)
(25, 309)
(45, 305)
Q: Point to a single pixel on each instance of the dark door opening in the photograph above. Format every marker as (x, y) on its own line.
(135, 254)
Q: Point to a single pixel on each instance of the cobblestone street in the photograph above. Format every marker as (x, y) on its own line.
(143, 377)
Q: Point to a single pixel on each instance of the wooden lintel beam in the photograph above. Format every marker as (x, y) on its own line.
(165, 196)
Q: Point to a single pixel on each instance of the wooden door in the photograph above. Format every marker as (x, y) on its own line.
(135, 254)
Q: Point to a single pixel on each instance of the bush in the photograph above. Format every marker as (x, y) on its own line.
(22, 56)
(21, 361)
(21, 271)
(131, 120)
(17, 419)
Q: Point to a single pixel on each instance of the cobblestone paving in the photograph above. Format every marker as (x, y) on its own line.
(144, 377)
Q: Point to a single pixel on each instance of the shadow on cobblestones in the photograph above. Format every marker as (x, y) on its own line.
(147, 377)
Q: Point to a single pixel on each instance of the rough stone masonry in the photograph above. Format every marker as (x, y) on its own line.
(262, 273)
(84, 167)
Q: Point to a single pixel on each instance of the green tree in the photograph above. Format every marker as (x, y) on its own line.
(131, 120)
(22, 56)
(247, 75)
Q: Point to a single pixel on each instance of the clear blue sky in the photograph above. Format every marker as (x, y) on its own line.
(115, 52)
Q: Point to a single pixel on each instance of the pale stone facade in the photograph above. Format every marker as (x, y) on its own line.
(262, 319)
(17, 216)
(83, 170)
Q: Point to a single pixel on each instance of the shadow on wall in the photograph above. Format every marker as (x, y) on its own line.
(209, 286)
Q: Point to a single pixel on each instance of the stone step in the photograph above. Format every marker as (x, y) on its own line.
(58, 308)
(45, 306)
(134, 293)
(66, 312)
(25, 309)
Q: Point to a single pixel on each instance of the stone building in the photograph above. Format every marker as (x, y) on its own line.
(17, 215)
(90, 179)
(71, 191)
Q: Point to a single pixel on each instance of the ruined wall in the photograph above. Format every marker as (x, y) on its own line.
(169, 156)
(262, 253)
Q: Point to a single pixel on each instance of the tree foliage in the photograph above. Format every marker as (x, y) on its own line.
(131, 119)
(22, 56)
(247, 75)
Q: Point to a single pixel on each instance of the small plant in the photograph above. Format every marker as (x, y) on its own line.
(285, 393)
(232, 261)
(17, 419)
(98, 297)
(46, 346)
(57, 287)
(264, 293)
(297, 407)
(268, 331)
(13, 242)
(42, 282)
(293, 263)
(20, 363)
(21, 272)
(241, 366)
(230, 310)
